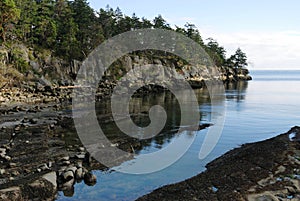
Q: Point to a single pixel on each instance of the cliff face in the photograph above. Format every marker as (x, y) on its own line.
(23, 66)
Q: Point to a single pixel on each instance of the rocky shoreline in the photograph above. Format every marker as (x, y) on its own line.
(39, 157)
(262, 171)
(39, 153)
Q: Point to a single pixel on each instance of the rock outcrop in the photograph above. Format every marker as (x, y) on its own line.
(41, 67)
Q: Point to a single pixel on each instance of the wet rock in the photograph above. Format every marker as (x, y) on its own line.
(81, 149)
(80, 156)
(44, 167)
(68, 175)
(7, 158)
(65, 163)
(68, 190)
(50, 164)
(2, 171)
(79, 164)
(15, 173)
(12, 193)
(52, 126)
(12, 165)
(33, 121)
(72, 168)
(17, 128)
(90, 179)
(2, 151)
(79, 174)
(66, 158)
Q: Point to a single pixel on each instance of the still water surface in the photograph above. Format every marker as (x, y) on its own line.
(265, 107)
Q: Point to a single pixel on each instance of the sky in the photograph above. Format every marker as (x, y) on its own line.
(267, 31)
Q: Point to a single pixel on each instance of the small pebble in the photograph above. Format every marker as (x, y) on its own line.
(12, 165)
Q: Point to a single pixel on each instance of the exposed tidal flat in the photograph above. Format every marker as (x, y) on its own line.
(41, 153)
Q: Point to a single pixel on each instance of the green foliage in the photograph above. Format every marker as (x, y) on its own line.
(26, 23)
(238, 60)
(89, 33)
(17, 55)
(44, 29)
(160, 23)
(72, 29)
(66, 44)
(216, 52)
(9, 14)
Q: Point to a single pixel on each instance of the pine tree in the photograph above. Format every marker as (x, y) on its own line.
(9, 14)
(66, 42)
(45, 28)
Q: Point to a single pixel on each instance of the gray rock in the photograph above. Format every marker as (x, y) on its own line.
(2, 151)
(66, 158)
(80, 156)
(7, 158)
(51, 177)
(79, 164)
(44, 82)
(2, 171)
(68, 175)
(35, 65)
(72, 168)
(79, 173)
(12, 165)
(81, 149)
(15, 173)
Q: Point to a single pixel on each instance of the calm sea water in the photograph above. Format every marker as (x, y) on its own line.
(260, 109)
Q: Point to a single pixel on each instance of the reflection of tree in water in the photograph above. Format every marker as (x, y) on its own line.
(139, 112)
(236, 90)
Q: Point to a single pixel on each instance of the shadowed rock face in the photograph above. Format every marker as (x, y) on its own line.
(267, 170)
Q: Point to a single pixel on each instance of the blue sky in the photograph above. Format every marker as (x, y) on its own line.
(268, 31)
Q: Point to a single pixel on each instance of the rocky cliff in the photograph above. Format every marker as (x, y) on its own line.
(29, 68)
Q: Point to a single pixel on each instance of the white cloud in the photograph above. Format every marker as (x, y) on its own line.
(274, 50)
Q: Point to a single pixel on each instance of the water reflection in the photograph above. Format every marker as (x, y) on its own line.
(118, 186)
(236, 91)
(139, 112)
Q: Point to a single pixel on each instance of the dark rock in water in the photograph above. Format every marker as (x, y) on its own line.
(33, 121)
(90, 179)
(79, 174)
(69, 192)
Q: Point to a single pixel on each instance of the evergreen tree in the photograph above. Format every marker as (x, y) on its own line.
(66, 41)
(45, 28)
(108, 21)
(216, 52)
(27, 20)
(193, 33)
(160, 23)
(89, 33)
(238, 60)
(146, 23)
(9, 14)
